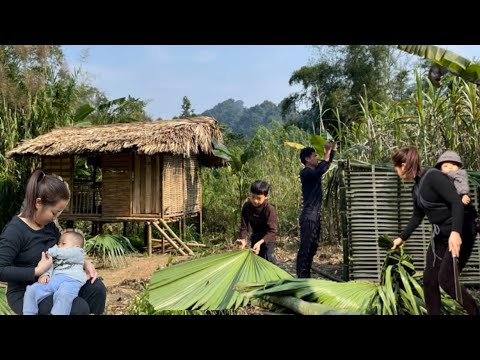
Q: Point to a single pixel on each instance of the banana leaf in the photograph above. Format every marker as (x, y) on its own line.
(458, 65)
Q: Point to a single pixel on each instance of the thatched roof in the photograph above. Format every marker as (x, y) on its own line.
(181, 137)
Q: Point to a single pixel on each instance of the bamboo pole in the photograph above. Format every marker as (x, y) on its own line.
(346, 240)
(149, 238)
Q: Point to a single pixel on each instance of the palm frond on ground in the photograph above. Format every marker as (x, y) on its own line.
(399, 291)
(141, 306)
(109, 249)
(208, 283)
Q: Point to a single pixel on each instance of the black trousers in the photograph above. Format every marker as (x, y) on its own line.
(267, 251)
(439, 267)
(90, 300)
(309, 239)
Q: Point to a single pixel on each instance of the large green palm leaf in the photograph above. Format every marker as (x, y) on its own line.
(208, 283)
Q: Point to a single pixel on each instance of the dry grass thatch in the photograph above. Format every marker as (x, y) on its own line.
(180, 137)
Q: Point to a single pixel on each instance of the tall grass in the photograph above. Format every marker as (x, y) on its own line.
(433, 119)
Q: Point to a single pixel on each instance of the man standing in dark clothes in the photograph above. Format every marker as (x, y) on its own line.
(311, 216)
(262, 218)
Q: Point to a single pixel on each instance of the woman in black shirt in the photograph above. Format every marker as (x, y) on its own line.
(25, 240)
(435, 196)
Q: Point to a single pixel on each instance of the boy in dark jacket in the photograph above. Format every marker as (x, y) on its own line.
(262, 219)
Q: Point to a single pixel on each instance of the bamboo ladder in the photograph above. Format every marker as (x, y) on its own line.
(162, 227)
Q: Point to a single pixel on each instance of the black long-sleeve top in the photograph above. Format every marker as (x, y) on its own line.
(263, 221)
(20, 251)
(312, 187)
(436, 188)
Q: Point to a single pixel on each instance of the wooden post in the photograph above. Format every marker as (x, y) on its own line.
(342, 167)
(180, 228)
(149, 238)
(200, 216)
(163, 244)
(200, 224)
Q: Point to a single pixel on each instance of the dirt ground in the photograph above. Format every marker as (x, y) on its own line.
(126, 283)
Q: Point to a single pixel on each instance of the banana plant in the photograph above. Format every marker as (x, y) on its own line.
(453, 62)
(119, 110)
(317, 141)
(238, 164)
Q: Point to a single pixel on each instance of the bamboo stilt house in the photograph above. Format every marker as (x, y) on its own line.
(137, 171)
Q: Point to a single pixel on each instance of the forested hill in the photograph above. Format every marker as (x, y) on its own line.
(241, 119)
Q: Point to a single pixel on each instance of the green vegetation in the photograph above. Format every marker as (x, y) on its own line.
(368, 100)
(109, 250)
(4, 308)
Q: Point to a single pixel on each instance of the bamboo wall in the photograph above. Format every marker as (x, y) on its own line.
(63, 167)
(173, 185)
(166, 185)
(193, 196)
(147, 184)
(378, 202)
(116, 184)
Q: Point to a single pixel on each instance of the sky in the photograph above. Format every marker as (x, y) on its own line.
(208, 75)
